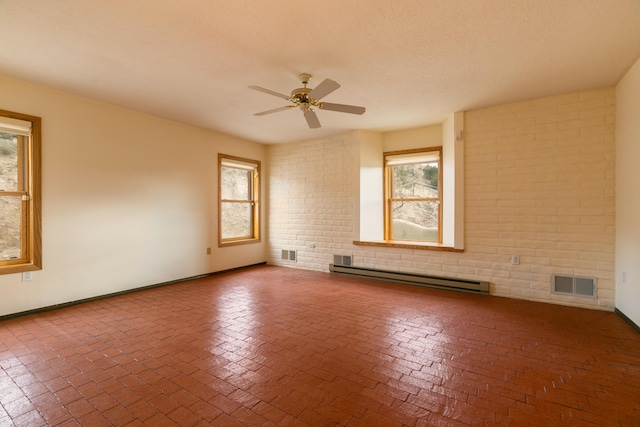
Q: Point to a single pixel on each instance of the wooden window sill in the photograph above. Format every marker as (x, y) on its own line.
(238, 242)
(408, 245)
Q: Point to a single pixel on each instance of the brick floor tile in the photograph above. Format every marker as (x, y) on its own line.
(142, 410)
(119, 415)
(271, 346)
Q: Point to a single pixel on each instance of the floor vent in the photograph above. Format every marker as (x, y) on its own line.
(474, 286)
(289, 255)
(574, 285)
(343, 260)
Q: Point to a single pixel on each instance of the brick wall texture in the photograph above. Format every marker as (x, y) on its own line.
(539, 183)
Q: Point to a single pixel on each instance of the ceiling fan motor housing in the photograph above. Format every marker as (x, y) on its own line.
(299, 96)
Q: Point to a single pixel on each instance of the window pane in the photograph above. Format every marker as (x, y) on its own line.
(417, 221)
(8, 162)
(236, 220)
(415, 181)
(235, 184)
(10, 227)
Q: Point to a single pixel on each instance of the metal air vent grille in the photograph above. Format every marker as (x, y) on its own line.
(573, 285)
(343, 260)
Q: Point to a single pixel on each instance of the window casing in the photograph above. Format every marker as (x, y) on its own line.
(20, 208)
(239, 196)
(413, 195)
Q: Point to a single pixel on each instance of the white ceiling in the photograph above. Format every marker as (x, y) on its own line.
(409, 62)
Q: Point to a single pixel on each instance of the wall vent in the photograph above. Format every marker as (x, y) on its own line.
(573, 285)
(289, 255)
(344, 260)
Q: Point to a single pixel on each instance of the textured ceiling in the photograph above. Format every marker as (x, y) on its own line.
(410, 62)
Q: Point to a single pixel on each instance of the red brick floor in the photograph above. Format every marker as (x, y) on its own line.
(271, 346)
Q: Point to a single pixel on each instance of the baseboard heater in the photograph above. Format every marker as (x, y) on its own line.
(474, 286)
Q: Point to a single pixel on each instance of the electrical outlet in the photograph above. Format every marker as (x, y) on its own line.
(26, 276)
(208, 251)
(624, 277)
(515, 259)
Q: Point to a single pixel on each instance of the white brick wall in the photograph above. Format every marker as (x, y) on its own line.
(310, 201)
(539, 183)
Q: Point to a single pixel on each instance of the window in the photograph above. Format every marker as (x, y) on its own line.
(238, 209)
(374, 223)
(413, 194)
(20, 237)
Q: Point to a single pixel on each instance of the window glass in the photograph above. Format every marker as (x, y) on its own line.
(236, 220)
(8, 161)
(413, 196)
(415, 181)
(236, 183)
(11, 226)
(238, 202)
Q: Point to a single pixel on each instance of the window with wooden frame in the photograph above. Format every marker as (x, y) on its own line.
(239, 196)
(413, 195)
(20, 216)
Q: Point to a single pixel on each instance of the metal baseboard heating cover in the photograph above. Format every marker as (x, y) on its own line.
(473, 286)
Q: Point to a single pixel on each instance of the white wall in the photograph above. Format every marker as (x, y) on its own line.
(453, 181)
(128, 199)
(628, 195)
(369, 215)
(407, 139)
(539, 183)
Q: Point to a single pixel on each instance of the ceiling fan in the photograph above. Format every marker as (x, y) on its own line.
(307, 98)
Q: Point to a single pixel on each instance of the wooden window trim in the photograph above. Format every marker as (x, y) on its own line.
(408, 245)
(388, 201)
(254, 191)
(32, 208)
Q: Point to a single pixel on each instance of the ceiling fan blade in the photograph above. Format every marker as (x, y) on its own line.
(352, 109)
(270, 92)
(323, 89)
(312, 119)
(275, 110)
